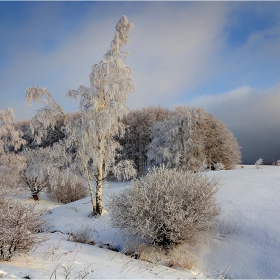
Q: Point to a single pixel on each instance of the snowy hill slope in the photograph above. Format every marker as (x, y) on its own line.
(249, 231)
(246, 241)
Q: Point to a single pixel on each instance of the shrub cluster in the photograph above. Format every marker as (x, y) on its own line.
(20, 226)
(166, 206)
(82, 235)
(66, 192)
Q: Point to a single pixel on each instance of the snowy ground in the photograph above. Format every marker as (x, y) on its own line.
(246, 243)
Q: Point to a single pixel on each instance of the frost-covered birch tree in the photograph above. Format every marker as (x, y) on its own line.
(10, 141)
(102, 106)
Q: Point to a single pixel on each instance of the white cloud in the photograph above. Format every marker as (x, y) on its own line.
(231, 97)
(173, 48)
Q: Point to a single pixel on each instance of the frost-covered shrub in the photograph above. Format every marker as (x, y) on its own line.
(82, 235)
(278, 162)
(219, 166)
(166, 206)
(124, 170)
(19, 226)
(258, 163)
(47, 168)
(67, 191)
(203, 167)
(181, 259)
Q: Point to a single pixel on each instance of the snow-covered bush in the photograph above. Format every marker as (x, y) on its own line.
(203, 167)
(124, 170)
(180, 259)
(258, 163)
(66, 191)
(166, 206)
(219, 166)
(20, 225)
(82, 235)
(278, 162)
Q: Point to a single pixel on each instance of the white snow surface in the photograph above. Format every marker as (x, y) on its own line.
(245, 243)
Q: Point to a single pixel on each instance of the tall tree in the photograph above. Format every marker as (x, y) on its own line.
(102, 106)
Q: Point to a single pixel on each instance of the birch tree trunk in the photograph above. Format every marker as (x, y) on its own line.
(99, 206)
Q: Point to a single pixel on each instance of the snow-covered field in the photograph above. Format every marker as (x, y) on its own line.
(245, 244)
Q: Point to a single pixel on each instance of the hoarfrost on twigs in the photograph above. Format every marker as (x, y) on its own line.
(166, 206)
(258, 163)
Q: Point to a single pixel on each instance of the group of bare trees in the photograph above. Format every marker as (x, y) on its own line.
(150, 137)
(184, 138)
(191, 138)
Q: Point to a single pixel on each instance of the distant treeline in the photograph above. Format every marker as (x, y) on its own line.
(184, 138)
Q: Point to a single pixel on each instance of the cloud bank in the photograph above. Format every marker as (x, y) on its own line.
(253, 116)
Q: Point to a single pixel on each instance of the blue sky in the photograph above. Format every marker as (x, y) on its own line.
(223, 56)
